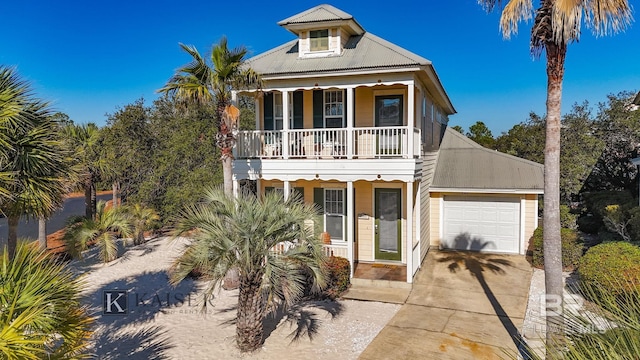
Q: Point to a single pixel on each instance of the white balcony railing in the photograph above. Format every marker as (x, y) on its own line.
(358, 143)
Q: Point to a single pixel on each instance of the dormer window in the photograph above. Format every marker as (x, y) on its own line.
(319, 40)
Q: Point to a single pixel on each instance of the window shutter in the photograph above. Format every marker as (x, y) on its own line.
(267, 101)
(300, 192)
(298, 121)
(318, 199)
(318, 105)
(268, 189)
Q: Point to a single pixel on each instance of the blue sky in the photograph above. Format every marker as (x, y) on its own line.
(90, 58)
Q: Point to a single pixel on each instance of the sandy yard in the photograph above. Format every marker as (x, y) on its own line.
(163, 322)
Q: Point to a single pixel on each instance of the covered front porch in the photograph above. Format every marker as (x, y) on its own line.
(373, 224)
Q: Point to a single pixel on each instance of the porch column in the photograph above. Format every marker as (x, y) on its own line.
(285, 124)
(287, 189)
(256, 109)
(236, 188)
(259, 188)
(350, 225)
(409, 231)
(418, 224)
(411, 114)
(350, 122)
(234, 98)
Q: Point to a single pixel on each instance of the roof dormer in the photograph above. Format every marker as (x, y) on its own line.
(322, 30)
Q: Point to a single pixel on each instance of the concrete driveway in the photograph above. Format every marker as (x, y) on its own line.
(463, 305)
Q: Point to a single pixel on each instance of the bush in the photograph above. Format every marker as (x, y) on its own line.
(614, 266)
(571, 248)
(337, 272)
(567, 218)
(589, 224)
(634, 223)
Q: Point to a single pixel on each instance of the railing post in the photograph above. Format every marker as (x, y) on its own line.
(285, 124)
(350, 122)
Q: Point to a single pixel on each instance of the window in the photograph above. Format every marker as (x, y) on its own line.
(278, 109)
(333, 109)
(334, 213)
(319, 40)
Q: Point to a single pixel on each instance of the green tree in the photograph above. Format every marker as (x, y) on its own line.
(142, 219)
(202, 82)
(42, 316)
(618, 126)
(525, 140)
(241, 233)
(480, 133)
(83, 142)
(33, 158)
(458, 128)
(102, 231)
(127, 143)
(556, 24)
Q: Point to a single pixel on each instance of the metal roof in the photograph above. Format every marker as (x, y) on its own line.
(319, 13)
(362, 52)
(463, 164)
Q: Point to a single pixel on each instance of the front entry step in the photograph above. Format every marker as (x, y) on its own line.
(393, 295)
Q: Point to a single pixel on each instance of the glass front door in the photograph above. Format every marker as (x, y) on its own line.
(388, 226)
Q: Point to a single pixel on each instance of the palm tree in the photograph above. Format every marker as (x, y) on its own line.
(103, 231)
(242, 234)
(142, 219)
(202, 82)
(42, 316)
(34, 160)
(556, 24)
(82, 141)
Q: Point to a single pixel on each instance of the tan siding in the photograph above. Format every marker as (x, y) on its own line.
(531, 213)
(307, 115)
(364, 205)
(364, 107)
(435, 219)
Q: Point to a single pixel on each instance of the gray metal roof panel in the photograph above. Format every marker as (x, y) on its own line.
(463, 164)
(319, 13)
(366, 51)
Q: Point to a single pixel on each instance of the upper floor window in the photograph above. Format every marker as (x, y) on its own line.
(278, 107)
(319, 40)
(333, 109)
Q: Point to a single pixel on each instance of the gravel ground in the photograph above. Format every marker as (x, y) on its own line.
(165, 322)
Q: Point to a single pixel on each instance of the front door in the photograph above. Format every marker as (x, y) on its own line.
(388, 227)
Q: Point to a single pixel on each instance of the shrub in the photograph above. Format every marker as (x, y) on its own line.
(571, 248)
(589, 224)
(567, 218)
(634, 223)
(337, 271)
(614, 266)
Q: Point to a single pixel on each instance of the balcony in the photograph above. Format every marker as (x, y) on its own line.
(357, 143)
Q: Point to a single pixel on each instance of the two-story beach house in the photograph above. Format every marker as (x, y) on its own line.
(358, 126)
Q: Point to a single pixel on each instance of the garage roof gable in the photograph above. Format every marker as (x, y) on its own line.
(464, 164)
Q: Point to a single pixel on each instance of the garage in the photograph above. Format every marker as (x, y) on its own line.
(490, 224)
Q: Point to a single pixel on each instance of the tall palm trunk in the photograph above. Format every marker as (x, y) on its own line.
(42, 233)
(551, 221)
(249, 330)
(225, 141)
(89, 197)
(114, 196)
(12, 236)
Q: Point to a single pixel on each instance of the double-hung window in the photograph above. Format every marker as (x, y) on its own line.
(278, 109)
(334, 213)
(334, 109)
(319, 40)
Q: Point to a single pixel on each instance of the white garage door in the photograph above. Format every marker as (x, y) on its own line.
(482, 224)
